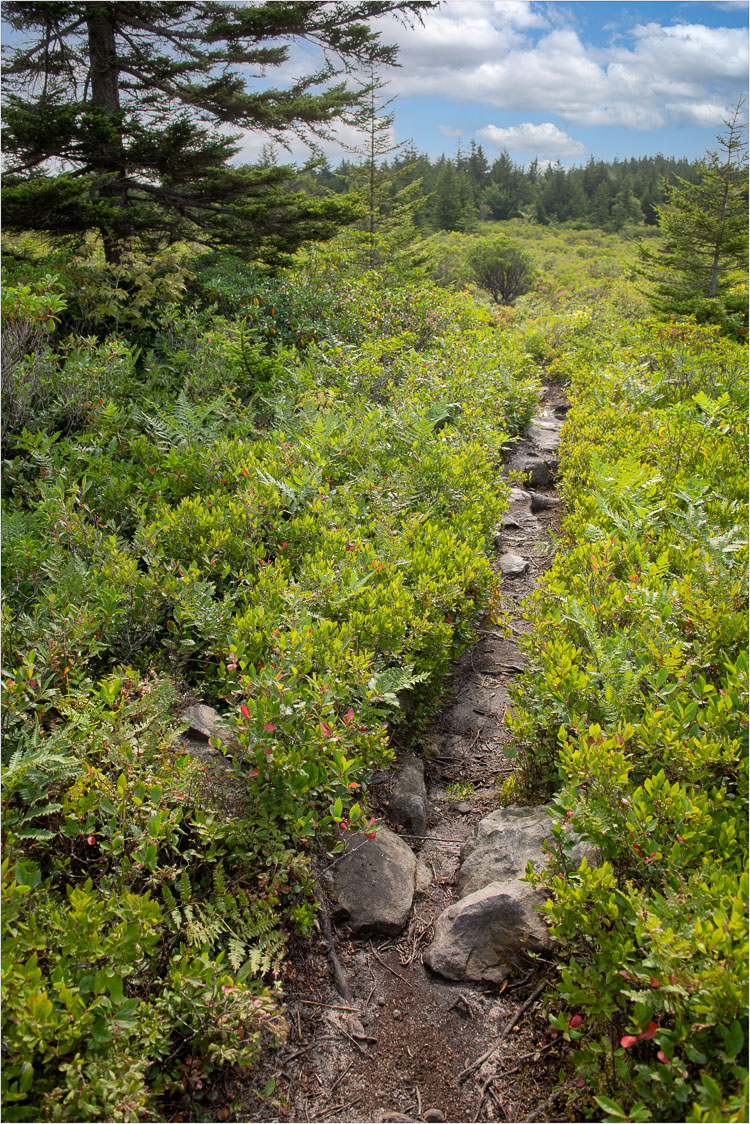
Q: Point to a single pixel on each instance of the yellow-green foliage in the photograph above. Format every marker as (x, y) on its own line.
(301, 534)
(635, 712)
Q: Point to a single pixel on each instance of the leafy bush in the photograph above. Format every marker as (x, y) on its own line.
(636, 709)
(502, 269)
(296, 532)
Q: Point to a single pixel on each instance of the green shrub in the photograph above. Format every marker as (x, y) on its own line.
(636, 712)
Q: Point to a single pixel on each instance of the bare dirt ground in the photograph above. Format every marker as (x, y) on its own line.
(407, 1044)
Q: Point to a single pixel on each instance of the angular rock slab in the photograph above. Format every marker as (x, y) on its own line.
(540, 473)
(203, 722)
(512, 565)
(545, 434)
(408, 802)
(373, 884)
(484, 936)
(504, 842)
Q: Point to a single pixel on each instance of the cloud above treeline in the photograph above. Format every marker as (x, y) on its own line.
(520, 56)
(544, 139)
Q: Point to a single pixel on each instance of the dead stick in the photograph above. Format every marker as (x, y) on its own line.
(336, 1108)
(343, 987)
(482, 1095)
(393, 970)
(340, 1078)
(328, 1006)
(504, 1032)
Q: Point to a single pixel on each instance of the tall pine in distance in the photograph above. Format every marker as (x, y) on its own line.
(123, 118)
(391, 192)
(700, 267)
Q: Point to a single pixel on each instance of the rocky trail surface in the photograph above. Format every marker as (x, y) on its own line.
(437, 1013)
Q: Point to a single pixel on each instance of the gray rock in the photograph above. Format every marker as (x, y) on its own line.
(203, 722)
(519, 512)
(504, 842)
(545, 434)
(541, 473)
(512, 565)
(463, 806)
(484, 935)
(422, 878)
(408, 802)
(540, 502)
(373, 884)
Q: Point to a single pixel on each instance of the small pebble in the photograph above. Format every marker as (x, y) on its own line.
(380, 1000)
(434, 1114)
(397, 1015)
(463, 807)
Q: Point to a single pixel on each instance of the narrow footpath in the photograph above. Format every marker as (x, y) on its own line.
(404, 1043)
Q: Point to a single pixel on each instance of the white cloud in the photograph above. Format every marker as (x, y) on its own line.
(545, 141)
(448, 131)
(523, 57)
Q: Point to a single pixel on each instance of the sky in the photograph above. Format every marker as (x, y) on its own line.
(562, 80)
(551, 79)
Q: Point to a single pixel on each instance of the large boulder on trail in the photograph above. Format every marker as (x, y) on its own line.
(372, 885)
(485, 935)
(505, 841)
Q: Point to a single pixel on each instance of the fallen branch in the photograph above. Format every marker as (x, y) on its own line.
(340, 1078)
(328, 1006)
(504, 1032)
(343, 987)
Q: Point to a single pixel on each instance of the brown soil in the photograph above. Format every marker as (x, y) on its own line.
(397, 1049)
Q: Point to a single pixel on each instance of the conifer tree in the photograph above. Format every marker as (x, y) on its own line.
(389, 208)
(705, 228)
(123, 117)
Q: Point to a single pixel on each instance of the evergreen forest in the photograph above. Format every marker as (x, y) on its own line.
(253, 433)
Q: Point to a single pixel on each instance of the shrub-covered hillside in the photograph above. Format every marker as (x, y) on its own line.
(280, 500)
(278, 495)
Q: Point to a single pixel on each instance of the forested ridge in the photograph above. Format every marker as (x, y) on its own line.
(462, 192)
(254, 428)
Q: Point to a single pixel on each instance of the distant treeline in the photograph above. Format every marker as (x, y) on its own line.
(461, 193)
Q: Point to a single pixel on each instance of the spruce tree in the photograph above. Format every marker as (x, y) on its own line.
(704, 250)
(389, 207)
(122, 118)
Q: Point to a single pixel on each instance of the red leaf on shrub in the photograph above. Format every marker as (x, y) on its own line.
(654, 982)
(269, 727)
(649, 1033)
(254, 773)
(245, 711)
(576, 1021)
(348, 716)
(628, 1040)
(326, 729)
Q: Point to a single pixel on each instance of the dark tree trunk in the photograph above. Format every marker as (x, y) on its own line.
(105, 93)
